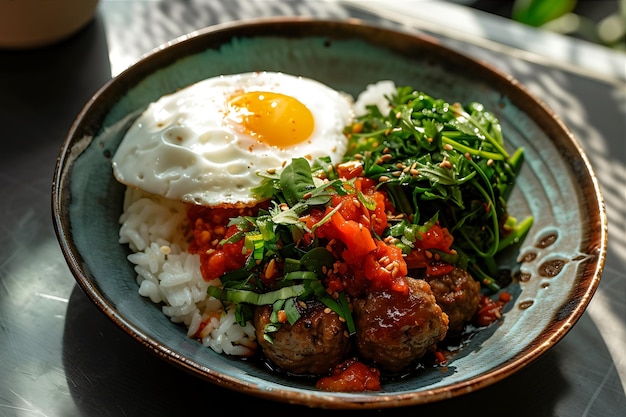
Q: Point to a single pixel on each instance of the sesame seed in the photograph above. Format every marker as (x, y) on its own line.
(448, 147)
(396, 270)
(271, 268)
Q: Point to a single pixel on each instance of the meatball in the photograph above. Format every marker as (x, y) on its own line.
(312, 346)
(394, 330)
(458, 295)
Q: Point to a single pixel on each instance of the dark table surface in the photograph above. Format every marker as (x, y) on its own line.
(60, 356)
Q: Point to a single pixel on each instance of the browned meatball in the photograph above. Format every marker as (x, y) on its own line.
(395, 330)
(313, 345)
(458, 295)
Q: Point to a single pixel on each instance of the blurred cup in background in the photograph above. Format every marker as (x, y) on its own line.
(26, 24)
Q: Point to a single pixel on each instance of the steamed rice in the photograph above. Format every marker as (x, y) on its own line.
(157, 232)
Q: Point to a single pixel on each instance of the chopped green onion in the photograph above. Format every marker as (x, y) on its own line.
(251, 297)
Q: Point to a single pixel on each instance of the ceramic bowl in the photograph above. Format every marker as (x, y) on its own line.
(28, 24)
(557, 268)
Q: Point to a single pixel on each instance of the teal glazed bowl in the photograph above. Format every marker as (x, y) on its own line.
(556, 270)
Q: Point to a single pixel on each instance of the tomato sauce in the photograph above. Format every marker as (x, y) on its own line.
(373, 264)
(209, 225)
(351, 376)
(490, 310)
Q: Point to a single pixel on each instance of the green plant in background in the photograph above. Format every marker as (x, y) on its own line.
(560, 16)
(539, 12)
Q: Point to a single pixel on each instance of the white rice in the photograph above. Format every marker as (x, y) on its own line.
(375, 94)
(157, 232)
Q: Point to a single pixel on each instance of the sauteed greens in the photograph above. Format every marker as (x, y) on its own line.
(446, 161)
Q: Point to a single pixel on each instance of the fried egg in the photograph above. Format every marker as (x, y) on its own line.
(207, 143)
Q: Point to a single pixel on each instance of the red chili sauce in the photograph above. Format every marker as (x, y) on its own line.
(351, 376)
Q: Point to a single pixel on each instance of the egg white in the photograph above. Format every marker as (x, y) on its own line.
(184, 147)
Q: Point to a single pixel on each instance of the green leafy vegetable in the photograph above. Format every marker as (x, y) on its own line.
(446, 160)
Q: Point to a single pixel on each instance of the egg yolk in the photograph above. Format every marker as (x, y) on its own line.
(273, 118)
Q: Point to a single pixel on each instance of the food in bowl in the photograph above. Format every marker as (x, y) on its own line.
(347, 251)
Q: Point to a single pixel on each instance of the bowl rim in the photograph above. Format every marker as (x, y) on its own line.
(78, 138)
